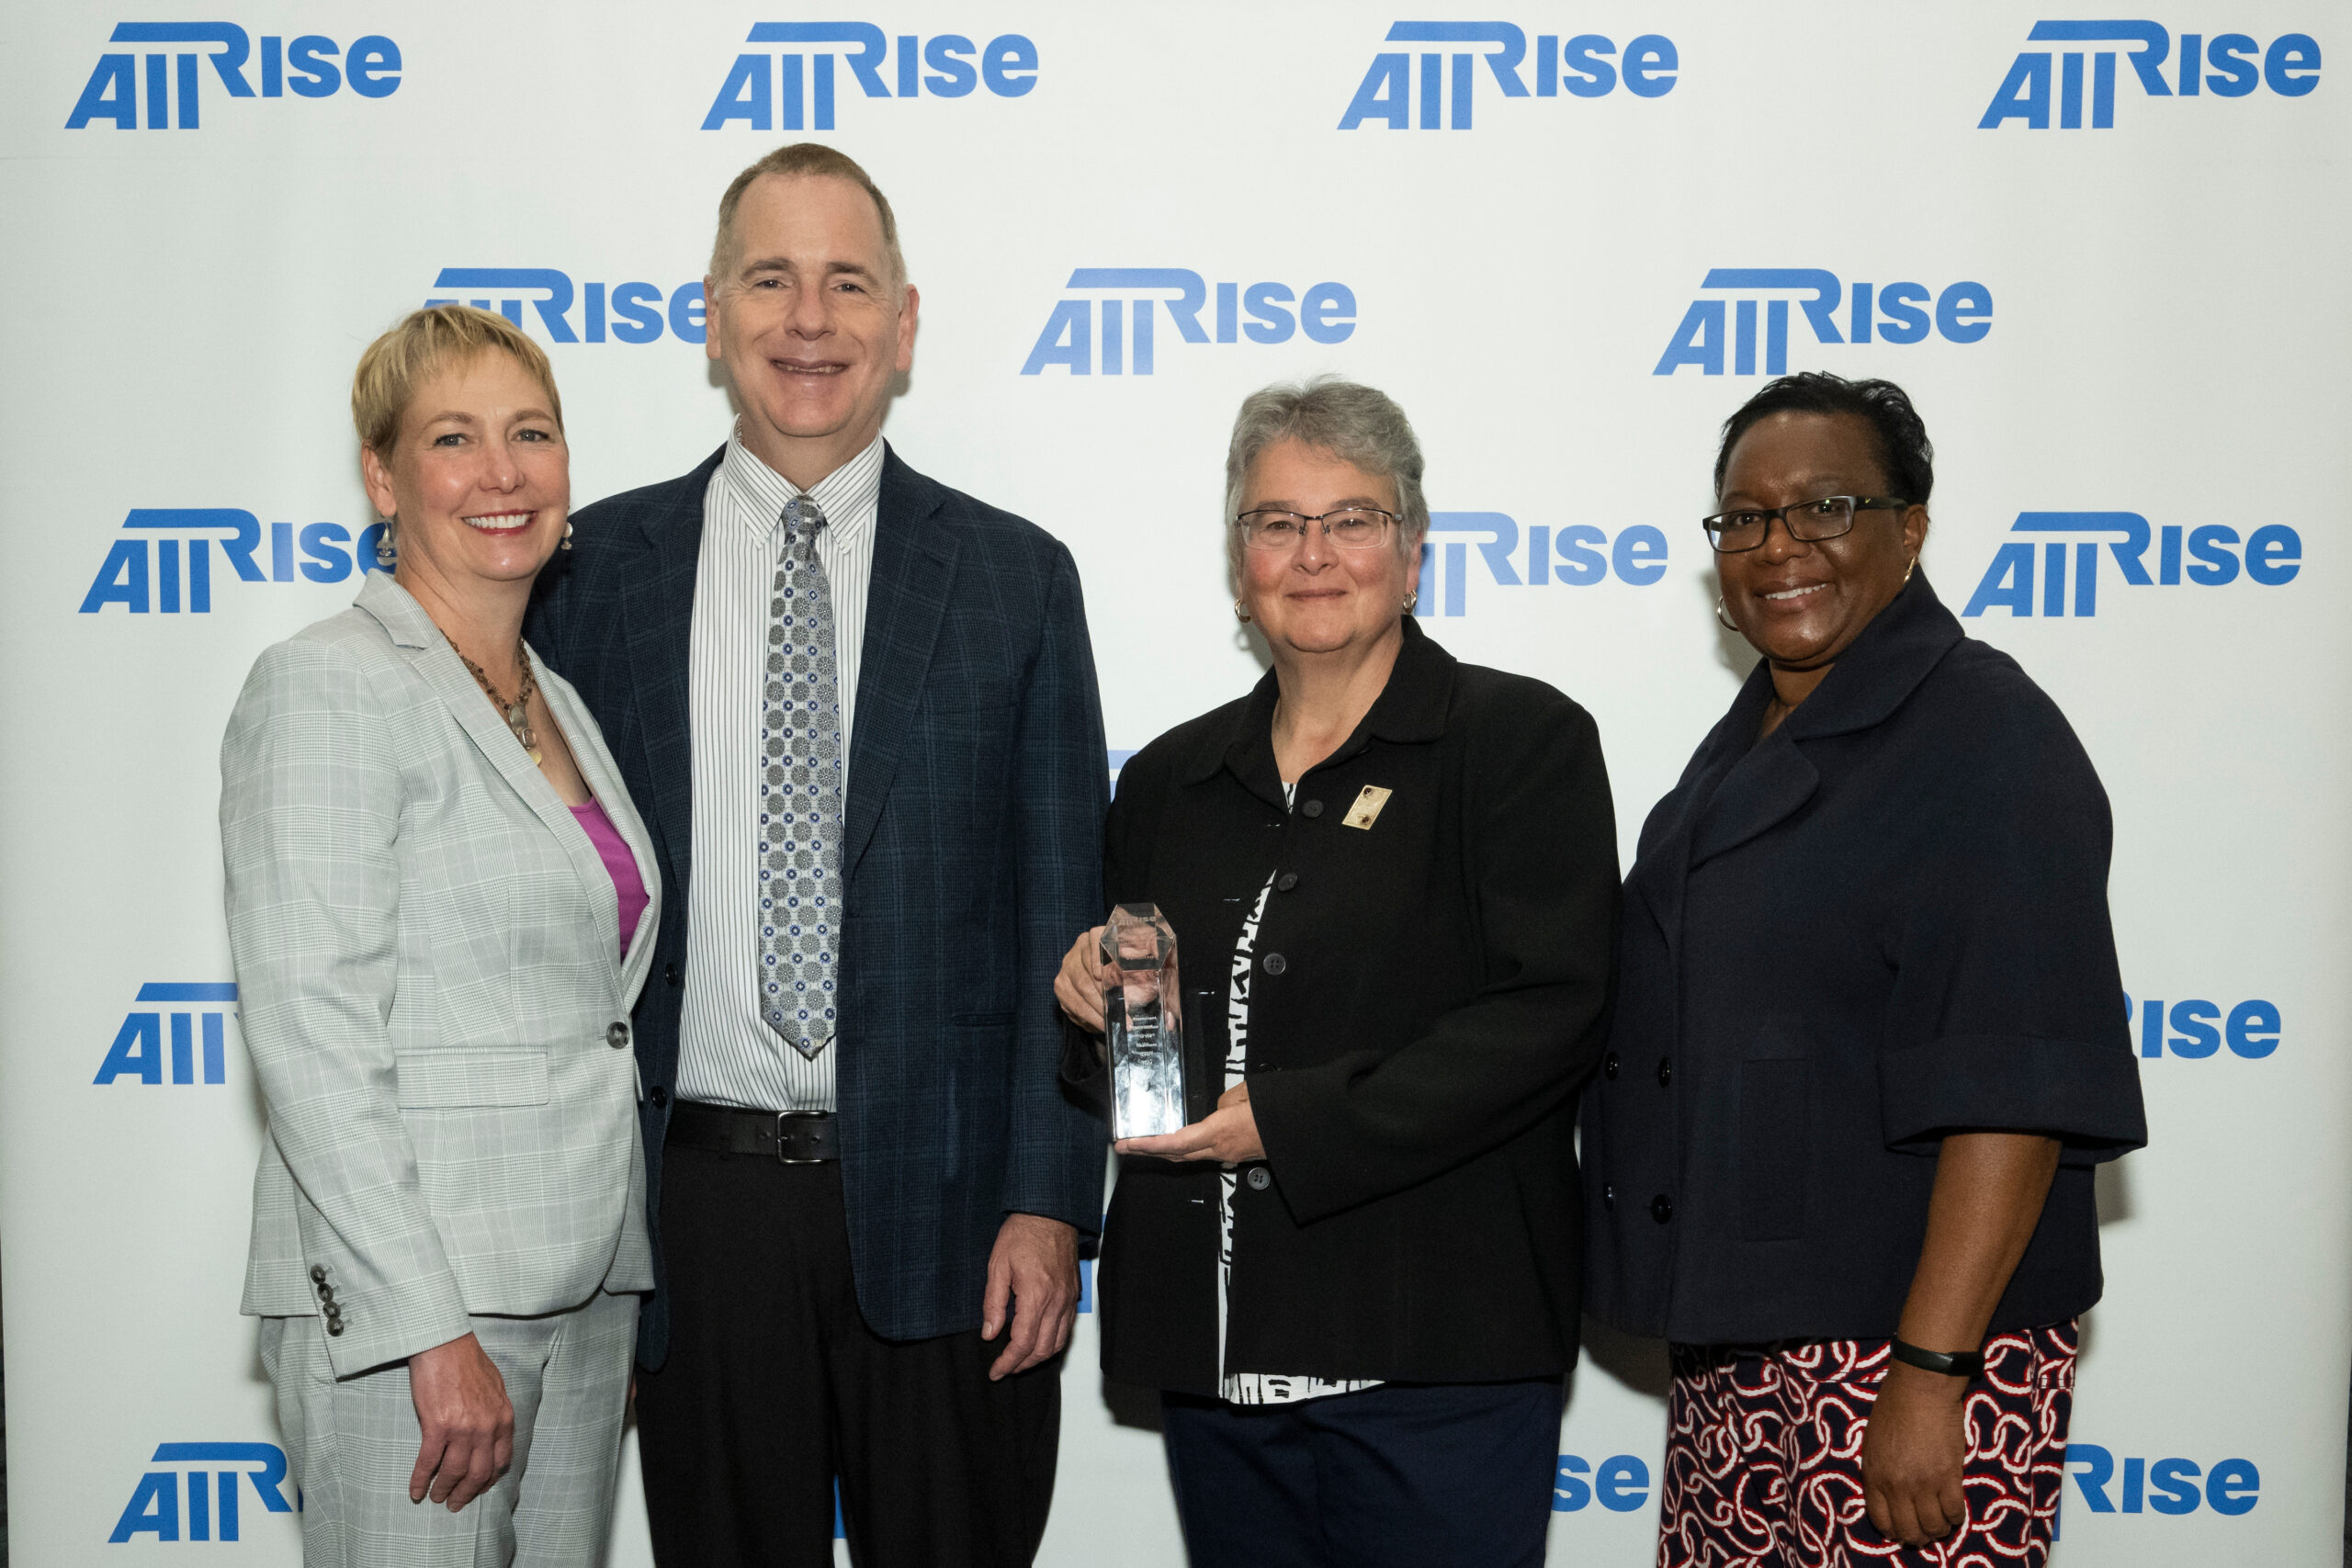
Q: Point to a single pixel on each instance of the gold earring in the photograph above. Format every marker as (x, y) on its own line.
(1412, 599)
(1723, 620)
(567, 534)
(1909, 569)
(1240, 611)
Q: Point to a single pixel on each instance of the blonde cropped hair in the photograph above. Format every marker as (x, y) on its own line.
(424, 344)
(811, 158)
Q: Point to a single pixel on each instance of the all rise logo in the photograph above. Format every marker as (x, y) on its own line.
(214, 1495)
(2061, 574)
(1721, 324)
(2231, 1487)
(2226, 65)
(202, 1015)
(1620, 1484)
(619, 312)
(795, 89)
(2199, 1029)
(1572, 555)
(1126, 301)
(1587, 65)
(306, 67)
(163, 564)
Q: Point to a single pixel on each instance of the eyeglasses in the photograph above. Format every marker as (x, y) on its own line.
(1351, 527)
(1808, 521)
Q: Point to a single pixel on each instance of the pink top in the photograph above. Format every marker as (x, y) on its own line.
(619, 864)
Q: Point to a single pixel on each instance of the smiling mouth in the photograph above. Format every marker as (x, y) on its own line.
(499, 521)
(1788, 593)
(810, 367)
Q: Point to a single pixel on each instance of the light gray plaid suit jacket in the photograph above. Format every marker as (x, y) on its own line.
(427, 953)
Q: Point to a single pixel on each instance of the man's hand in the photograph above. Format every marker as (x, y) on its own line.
(1228, 1134)
(1079, 985)
(469, 1422)
(1913, 1455)
(1032, 1290)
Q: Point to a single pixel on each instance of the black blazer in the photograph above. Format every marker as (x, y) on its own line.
(1426, 995)
(975, 795)
(1886, 922)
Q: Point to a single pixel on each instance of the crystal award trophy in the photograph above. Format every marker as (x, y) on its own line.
(1143, 1022)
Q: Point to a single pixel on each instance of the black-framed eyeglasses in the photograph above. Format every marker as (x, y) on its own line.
(1349, 527)
(1808, 521)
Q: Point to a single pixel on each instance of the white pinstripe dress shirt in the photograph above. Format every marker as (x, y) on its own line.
(727, 1054)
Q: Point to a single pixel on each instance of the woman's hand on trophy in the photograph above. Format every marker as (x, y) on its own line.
(1228, 1134)
(1079, 986)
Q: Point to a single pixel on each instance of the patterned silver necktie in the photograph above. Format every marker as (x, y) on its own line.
(800, 798)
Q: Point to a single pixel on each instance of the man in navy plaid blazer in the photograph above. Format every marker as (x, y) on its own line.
(866, 1250)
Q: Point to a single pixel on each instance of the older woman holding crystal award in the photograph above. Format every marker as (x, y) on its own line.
(1354, 1275)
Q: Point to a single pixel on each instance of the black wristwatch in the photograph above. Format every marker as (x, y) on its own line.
(1966, 1364)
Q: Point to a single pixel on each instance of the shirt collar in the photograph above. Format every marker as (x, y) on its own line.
(848, 495)
(1902, 645)
(1411, 707)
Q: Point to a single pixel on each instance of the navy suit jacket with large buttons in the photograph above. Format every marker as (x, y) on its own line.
(1886, 921)
(977, 789)
(1424, 997)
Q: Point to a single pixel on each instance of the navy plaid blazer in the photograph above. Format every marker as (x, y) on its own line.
(972, 854)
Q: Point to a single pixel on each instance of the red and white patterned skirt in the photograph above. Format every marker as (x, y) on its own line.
(1764, 1455)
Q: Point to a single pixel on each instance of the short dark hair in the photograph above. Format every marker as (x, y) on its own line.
(1904, 450)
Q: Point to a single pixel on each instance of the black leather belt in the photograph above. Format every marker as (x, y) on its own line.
(790, 1137)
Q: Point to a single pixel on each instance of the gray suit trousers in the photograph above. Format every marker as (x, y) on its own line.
(352, 1444)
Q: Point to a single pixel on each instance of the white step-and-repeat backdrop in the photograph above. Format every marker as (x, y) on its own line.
(2104, 255)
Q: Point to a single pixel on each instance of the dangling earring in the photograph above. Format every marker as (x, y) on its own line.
(1240, 611)
(567, 534)
(387, 551)
(1412, 599)
(1909, 569)
(1722, 619)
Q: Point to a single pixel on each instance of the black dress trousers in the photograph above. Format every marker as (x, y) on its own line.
(775, 1384)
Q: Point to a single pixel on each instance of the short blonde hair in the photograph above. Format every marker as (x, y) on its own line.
(426, 343)
(809, 158)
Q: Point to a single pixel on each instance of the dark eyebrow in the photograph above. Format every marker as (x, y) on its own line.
(1824, 485)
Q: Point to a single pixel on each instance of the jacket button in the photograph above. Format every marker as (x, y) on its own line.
(1259, 1179)
(660, 1096)
(1661, 1208)
(1310, 809)
(1608, 1196)
(326, 1293)
(1665, 1071)
(334, 1326)
(1608, 1067)
(318, 1273)
(335, 1312)
(617, 1036)
(1286, 881)
(1276, 964)
(670, 975)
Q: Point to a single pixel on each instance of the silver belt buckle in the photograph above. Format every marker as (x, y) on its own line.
(780, 1117)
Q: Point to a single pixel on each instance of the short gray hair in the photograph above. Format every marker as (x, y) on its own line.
(1356, 423)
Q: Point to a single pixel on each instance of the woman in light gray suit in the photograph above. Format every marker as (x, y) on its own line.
(442, 907)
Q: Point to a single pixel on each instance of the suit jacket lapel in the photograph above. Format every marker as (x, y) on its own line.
(915, 563)
(597, 766)
(1870, 679)
(657, 619)
(437, 664)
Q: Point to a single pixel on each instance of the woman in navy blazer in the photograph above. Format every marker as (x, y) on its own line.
(1869, 1040)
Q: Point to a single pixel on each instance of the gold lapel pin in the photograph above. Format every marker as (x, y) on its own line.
(1366, 810)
